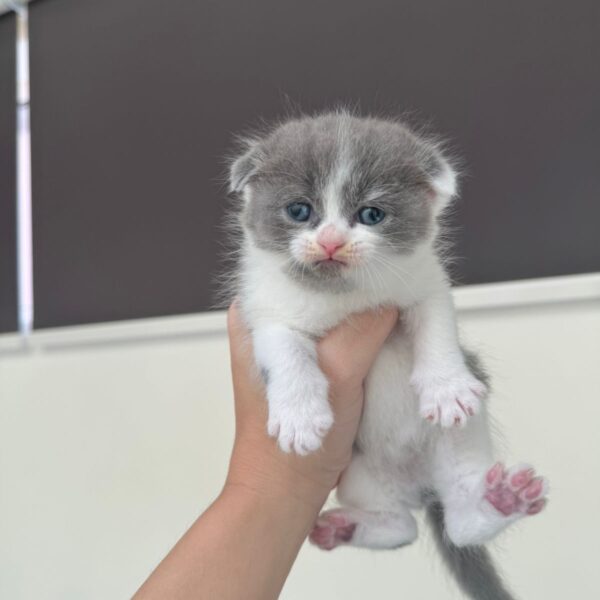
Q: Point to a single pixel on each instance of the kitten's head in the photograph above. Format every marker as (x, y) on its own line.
(336, 194)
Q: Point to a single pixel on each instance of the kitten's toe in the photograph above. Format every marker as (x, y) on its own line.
(306, 441)
(300, 431)
(449, 401)
(273, 426)
(299, 412)
(515, 491)
(332, 528)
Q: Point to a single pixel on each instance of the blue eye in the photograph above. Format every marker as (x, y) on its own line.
(370, 215)
(299, 211)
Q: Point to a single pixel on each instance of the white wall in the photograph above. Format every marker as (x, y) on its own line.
(114, 438)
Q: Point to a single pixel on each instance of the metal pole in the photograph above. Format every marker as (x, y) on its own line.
(24, 221)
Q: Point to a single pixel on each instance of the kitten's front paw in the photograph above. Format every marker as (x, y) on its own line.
(449, 400)
(300, 429)
(299, 416)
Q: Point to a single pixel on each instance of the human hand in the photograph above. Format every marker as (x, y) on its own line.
(345, 356)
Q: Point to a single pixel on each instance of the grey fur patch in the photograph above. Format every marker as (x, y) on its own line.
(475, 365)
(390, 167)
(471, 566)
(265, 375)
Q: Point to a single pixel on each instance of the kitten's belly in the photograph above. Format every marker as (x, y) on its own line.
(391, 430)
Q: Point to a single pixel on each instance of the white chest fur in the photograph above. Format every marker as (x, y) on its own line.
(268, 295)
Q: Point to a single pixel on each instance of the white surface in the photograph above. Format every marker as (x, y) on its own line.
(545, 290)
(110, 445)
(506, 294)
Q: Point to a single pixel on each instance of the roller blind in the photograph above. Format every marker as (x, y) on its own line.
(134, 105)
(8, 258)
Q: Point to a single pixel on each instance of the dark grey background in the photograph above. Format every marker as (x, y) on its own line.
(134, 105)
(8, 256)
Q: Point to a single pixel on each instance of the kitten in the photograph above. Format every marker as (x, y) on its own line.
(340, 214)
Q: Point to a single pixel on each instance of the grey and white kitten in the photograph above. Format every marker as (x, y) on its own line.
(340, 214)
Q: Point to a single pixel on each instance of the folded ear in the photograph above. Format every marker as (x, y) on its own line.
(443, 185)
(243, 168)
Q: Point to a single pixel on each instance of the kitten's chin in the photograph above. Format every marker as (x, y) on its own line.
(330, 268)
(330, 263)
(325, 275)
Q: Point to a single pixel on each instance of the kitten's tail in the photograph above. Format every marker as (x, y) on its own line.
(471, 566)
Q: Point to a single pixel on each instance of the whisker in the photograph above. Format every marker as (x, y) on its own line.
(396, 271)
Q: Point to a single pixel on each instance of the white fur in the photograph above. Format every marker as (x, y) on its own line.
(419, 374)
(333, 190)
(444, 186)
(299, 414)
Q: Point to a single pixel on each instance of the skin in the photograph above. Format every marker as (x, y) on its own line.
(244, 544)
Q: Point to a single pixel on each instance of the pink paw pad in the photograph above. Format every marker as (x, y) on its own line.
(332, 529)
(516, 490)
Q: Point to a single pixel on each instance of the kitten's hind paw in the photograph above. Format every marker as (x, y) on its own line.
(332, 529)
(516, 490)
(500, 497)
(449, 401)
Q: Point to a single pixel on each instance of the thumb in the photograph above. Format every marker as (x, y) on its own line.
(347, 352)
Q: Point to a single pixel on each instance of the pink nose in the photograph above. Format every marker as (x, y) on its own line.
(331, 247)
(331, 240)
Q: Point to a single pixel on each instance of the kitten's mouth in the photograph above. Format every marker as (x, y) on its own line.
(331, 262)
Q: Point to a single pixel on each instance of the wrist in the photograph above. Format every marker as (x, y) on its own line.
(271, 526)
(277, 478)
(280, 512)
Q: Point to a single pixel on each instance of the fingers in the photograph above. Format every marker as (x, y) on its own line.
(345, 353)
(235, 324)
(245, 375)
(351, 346)
(349, 350)
(239, 336)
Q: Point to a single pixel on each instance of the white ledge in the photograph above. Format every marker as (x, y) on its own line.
(569, 288)
(489, 296)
